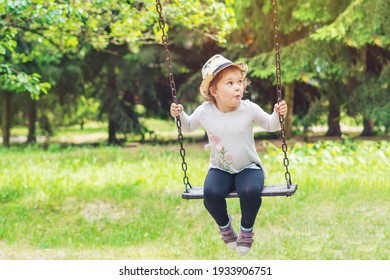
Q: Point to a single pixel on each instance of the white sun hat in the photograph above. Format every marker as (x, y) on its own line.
(215, 65)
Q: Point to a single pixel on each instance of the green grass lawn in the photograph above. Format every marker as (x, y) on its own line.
(125, 203)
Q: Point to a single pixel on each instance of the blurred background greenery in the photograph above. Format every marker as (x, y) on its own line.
(64, 64)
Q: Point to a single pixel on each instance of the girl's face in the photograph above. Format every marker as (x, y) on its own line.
(228, 90)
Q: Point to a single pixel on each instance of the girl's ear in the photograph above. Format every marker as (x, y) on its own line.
(213, 90)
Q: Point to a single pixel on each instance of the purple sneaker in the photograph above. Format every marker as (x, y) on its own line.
(244, 242)
(229, 236)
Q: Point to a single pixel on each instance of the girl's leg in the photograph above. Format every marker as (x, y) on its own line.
(217, 186)
(249, 184)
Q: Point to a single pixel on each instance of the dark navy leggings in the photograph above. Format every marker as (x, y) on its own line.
(248, 183)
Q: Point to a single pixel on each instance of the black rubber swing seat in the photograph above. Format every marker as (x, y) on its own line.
(274, 190)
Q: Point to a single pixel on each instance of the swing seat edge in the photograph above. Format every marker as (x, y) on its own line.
(269, 190)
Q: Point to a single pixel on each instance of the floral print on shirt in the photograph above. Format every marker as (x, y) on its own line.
(219, 155)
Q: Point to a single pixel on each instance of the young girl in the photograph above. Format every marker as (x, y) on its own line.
(234, 162)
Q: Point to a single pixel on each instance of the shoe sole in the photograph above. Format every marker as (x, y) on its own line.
(241, 250)
(232, 245)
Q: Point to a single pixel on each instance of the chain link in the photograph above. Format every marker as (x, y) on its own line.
(279, 90)
(164, 39)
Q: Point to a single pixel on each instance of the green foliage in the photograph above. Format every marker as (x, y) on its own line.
(301, 57)
(322, 43)
(12, 79)
(213, 19)
(53, 29)
(315, 114)
(305, 60)
(296, 20)
(363, 22)
(372, 90)
(22, 82)
(318, 11)
(344, 156)
(51, 38)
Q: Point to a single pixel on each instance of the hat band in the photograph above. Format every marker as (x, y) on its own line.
(222, 66)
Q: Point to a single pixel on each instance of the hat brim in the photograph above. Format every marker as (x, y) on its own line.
(204, 86)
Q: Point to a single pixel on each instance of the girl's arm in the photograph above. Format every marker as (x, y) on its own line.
(189, 123)
(269, 122)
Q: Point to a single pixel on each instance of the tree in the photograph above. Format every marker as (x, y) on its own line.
(140, 81)
(313, 51)
(297, 20)
(20, 23)
(13, 79)
(364, 27)
(59, 31)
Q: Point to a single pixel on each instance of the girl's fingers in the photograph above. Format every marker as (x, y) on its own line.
(176, 109)
(281, 108)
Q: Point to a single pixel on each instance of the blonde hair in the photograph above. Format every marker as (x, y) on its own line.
(218, 77)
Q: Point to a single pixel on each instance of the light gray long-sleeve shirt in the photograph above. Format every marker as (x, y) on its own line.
(230, 135)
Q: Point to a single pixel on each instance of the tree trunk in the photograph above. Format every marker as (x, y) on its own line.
(334, 115)
(368, 123)
(32, 118)
(289, 98)
(6, 118)
(111, 130)
(112, 97)
(368, 129)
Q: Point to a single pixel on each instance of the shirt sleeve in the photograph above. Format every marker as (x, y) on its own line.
(269, 122)
(191, 122)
